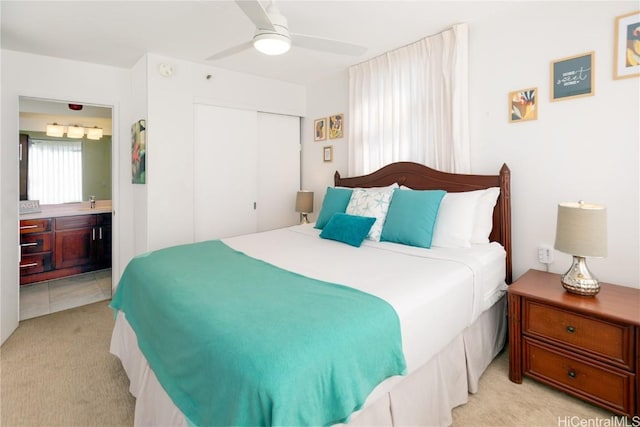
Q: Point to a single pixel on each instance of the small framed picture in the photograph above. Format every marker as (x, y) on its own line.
(320, 129)
(573, 77)
(336, 126)
(327, 153)
(523, 105)
(627, 49)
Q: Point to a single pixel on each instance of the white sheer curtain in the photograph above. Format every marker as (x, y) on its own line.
(55, 171)
(410, 104)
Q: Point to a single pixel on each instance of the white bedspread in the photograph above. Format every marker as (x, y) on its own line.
(436, 292)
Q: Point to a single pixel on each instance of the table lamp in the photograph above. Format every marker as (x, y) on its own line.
(581, 231)
(304, 204)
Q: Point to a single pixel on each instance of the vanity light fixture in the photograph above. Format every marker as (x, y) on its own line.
(55, 130)
(94, 133)
(74, 131)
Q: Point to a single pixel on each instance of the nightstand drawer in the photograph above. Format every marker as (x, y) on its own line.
(609, 342)
(606, 386)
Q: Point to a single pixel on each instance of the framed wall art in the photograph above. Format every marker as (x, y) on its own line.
(320, 129)
(627, 56)
(327, 153)
(336, 126)
(138, 152)
(573, 77)
(523, 105)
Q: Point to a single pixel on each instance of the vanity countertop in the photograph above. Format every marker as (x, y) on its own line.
(69, 209)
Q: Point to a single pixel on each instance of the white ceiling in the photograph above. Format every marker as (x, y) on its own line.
(118, 33)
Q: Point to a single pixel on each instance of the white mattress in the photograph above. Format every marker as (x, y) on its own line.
(436, 292)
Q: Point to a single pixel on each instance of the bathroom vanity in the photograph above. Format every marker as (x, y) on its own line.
(63, 240)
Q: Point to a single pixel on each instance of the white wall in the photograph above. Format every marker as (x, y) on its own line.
(325, 98)
(170, 134)
(578, 149)
(50, 78)
(586, 148)
(139, 191)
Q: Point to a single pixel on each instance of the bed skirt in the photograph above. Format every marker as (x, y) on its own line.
(425, 397)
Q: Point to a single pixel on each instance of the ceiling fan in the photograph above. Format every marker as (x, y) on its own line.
(272, 36)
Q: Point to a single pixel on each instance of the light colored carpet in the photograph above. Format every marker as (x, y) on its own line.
(56, 370)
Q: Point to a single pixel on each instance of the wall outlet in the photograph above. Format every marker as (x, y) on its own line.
(545, 254)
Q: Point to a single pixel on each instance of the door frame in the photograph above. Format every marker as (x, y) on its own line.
(11, 291)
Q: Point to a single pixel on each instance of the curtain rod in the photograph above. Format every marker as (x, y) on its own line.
(408, 44)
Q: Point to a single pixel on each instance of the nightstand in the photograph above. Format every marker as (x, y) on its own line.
(588, 347)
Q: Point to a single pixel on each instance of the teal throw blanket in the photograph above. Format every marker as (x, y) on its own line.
(236, 341)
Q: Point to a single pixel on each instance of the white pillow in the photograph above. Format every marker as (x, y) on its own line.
(371, 202)
(484, 215)
(456, 218)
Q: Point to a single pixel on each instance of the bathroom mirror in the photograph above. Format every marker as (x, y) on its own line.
(57, 167)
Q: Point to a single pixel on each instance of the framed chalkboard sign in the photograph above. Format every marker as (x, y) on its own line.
(573, 77)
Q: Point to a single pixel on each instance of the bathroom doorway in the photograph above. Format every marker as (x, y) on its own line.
(66, 156)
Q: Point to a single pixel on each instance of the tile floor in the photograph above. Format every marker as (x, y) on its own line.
(61, 294)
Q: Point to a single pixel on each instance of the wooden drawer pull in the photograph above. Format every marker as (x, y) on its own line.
(571, 329)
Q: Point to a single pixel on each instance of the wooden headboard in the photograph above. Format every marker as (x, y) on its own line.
(420, 177)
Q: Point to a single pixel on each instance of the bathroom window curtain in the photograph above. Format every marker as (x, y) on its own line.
(410, 104)
(55, 171)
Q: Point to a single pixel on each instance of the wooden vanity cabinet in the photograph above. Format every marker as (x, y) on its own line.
(36, 245)
(75, 240)
(83, 240)
(74, 244)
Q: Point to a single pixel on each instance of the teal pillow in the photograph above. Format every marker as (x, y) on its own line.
(411, 217)
(349, 229)
(335, 200)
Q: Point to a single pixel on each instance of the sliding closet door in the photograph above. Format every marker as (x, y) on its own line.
(225, 172)
(278, 170)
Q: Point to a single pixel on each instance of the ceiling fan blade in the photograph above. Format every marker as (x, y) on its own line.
(327, 45)
(231, 51)
(258, 15)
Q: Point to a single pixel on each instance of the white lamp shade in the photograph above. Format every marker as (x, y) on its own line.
(304, 202)
(55, 130)
(581, 229)
(94, 133)
(271, 43)
(75, 132)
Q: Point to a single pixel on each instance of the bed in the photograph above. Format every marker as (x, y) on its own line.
(428, 321)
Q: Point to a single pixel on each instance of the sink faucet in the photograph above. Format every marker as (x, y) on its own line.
(92, 201)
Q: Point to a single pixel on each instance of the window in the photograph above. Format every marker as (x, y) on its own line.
(55, 171)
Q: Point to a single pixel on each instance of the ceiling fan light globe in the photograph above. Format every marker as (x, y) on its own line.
(271, 43)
